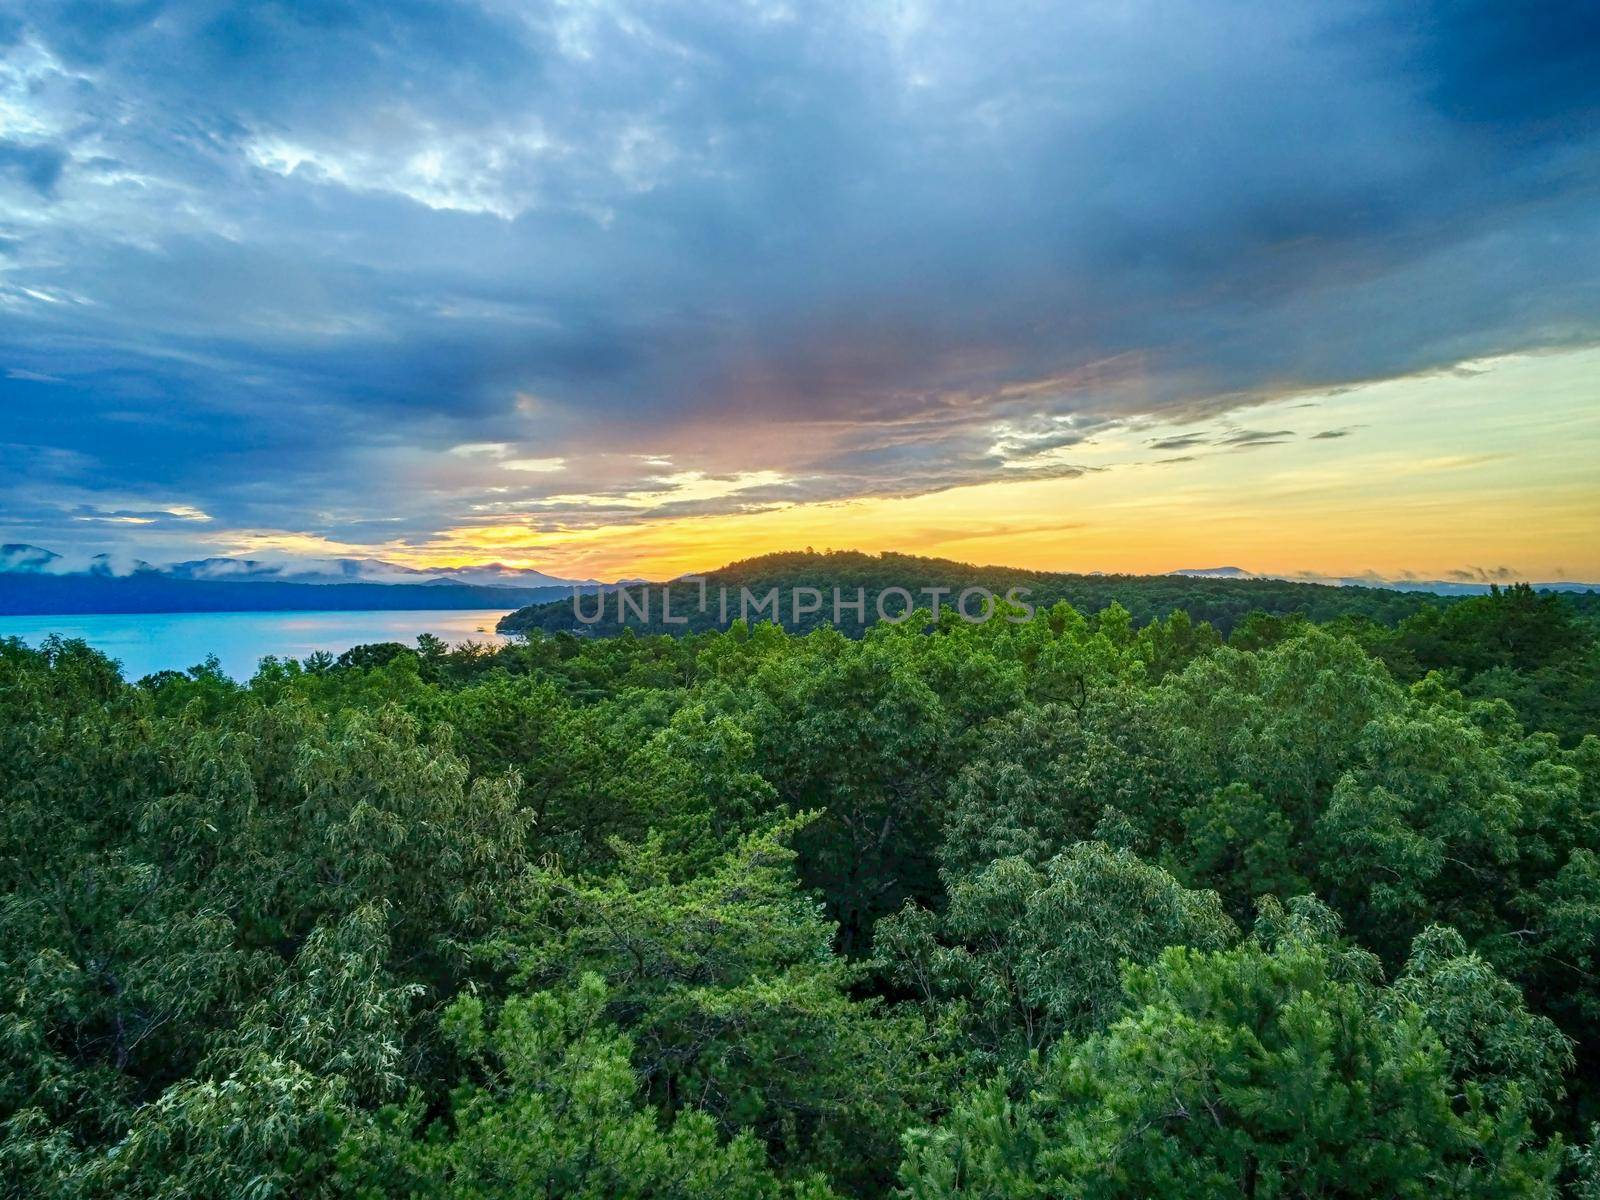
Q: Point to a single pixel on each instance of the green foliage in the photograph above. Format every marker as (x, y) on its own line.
(1585, 1164)
(851, 730)
(1487, 1032)
(1279, 1068)
(749, 913)
(1045, 774)
(1025, 954)
(556, 1113)
(736, 1005)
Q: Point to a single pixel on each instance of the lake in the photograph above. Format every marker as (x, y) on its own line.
(146, 642)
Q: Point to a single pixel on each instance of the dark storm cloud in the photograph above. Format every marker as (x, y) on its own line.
(1488, 62)
(39, 166)
(269, 260)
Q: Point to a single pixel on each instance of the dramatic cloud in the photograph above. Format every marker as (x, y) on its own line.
(368, 272)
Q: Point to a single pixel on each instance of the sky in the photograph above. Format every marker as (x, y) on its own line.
(618, 289)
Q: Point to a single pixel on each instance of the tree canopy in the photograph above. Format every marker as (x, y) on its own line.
(1115, 900)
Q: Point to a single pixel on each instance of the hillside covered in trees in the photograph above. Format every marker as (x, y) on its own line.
(1222, 602)
(1159, 895)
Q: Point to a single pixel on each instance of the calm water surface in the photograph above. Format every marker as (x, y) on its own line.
(146, 642)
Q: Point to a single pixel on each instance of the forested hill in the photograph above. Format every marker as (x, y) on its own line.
(1223, 603)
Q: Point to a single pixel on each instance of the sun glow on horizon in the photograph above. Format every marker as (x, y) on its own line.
(1489, 465)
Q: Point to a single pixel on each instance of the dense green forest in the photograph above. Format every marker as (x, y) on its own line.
(1150, 896)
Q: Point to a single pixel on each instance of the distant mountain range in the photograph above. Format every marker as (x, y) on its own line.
(19, 559)
(1437, 587)
(36, 581)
